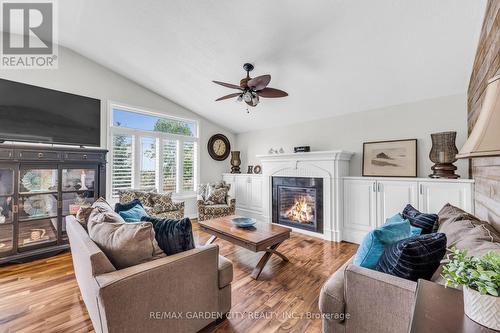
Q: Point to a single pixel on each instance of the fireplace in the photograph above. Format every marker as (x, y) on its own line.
(298, 202)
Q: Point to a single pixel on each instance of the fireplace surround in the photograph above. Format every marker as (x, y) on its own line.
(298, 202)
(329, 166)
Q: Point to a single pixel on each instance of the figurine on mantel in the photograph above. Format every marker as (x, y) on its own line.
(276, 151)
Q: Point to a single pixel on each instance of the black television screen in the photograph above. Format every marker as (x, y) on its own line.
(34, 114)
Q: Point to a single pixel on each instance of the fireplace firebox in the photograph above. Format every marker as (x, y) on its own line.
(298, 202)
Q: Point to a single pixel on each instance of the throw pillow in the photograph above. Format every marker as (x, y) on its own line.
(83, 214)
(132, 211)
(454, 230)
(420, 220)
(125, 244)
(144, 195)
(217, 196)
(373, 244)
(450, 213)
(479, 240)
(399, 218)
(203, 190)
(173, 236)
(163, 203)
(414, 258)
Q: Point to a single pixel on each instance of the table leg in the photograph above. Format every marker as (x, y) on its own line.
(211, 240)
(265, 258)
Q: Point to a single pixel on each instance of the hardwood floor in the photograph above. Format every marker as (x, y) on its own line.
(42, 296)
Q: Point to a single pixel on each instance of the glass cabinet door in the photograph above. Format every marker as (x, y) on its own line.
(78, 189)
(6, 212)
(37, 207)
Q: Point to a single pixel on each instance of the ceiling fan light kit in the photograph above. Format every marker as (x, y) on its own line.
(251, 89)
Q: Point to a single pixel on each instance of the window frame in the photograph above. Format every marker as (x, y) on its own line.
(159, 137)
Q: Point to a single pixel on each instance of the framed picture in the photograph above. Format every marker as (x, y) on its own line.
(396, 158)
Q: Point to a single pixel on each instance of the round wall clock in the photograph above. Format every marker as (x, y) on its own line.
(218, 147)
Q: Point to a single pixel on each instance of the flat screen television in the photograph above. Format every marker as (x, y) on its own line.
(34, 114)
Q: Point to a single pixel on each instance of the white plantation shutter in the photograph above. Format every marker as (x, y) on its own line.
(169, 165)
(148, 163)
(188, 166)
(121, 169)
(152, 150)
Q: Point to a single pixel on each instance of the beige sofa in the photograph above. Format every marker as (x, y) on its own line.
(141, 298)
(356, 299)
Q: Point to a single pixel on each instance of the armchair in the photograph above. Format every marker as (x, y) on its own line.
(208, 211)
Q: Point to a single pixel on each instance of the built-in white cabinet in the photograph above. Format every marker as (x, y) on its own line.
(247, 190)
(368, 202)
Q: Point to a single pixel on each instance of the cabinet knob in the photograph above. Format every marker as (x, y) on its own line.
(84, 156)
(40, 155)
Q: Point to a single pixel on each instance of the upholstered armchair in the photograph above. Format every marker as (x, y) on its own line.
(210, 211)
(158, 205)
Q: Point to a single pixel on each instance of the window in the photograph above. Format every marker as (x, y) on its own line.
(151, 150)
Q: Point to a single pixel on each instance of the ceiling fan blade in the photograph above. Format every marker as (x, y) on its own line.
(259, 82)
(271, 93)
(227, 96)
(228, 85)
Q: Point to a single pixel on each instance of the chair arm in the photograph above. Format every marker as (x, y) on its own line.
(331, 298)
(231, 201)
(377, 302)
(183, 283)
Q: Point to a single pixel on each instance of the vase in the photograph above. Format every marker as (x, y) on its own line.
(235, 162)
(483, 309)
(443, 153)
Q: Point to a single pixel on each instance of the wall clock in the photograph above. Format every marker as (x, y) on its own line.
(219, 147)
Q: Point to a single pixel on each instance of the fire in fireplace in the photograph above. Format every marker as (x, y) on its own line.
(298, 202)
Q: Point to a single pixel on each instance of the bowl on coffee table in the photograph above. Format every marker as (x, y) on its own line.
(244, 222)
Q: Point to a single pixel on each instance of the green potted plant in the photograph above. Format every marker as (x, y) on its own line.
(480, 278)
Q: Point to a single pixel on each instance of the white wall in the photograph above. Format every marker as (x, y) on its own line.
(348, 132)
(79, 75)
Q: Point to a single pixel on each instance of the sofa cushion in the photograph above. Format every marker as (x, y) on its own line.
(374, 242)
(225, 270)
(173, 236)
(414, 258)
(125, 244)
(420, 220)
(479, 240)
(455, 229)
(163, 203)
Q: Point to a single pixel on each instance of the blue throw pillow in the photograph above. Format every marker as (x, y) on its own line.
(424, 221)
(414, 258)
(373, 244)
(173, 236)
(131, 211)
(415, 231)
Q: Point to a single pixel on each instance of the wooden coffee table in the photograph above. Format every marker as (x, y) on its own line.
(263, 237)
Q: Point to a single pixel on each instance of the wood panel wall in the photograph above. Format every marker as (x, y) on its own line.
(486, 171)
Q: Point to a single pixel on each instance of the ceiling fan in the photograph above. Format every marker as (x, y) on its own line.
(251, 89)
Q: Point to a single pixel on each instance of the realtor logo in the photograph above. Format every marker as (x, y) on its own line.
(28, 34)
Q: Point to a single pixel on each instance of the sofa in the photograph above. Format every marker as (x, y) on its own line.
(159, 205)
(141, 297)
(357, 299)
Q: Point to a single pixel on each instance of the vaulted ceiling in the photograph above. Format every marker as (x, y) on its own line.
(331, 56)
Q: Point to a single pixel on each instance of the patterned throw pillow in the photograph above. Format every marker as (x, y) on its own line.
(144, 195)
(420, 220)
(203, 190)
(217, 196)
(83, 215)
(173, 236)
(414, 258)
(163, 203)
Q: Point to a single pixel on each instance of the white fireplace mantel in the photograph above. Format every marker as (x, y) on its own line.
(329, 165)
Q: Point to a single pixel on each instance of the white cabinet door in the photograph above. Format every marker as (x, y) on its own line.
(241, 192)
(393, 196)
(255, 194)
(360, 211)
(434, 195)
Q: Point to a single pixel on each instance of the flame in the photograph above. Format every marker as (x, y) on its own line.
(301, 211)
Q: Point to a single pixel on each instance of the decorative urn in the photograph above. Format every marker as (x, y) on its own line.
(443, 154)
